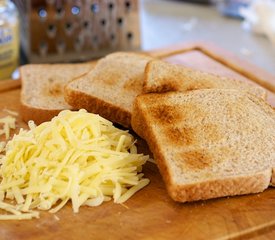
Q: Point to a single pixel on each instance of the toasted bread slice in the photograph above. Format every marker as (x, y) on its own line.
(208, 143)
(161, 76)
(111, 87)
(42, 89)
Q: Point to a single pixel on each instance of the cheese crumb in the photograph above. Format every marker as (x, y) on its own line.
(78, 157)
(8, 123)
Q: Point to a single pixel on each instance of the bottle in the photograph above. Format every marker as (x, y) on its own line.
(9, 38)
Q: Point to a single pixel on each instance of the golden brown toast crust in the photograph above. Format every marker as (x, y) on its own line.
(143, 123)
(38, 115)
(93, 104)
(205, 190)
(161, 77)
(158, 88)
(221, 187)
(111, 87)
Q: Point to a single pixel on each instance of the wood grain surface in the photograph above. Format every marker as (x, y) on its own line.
(7, 85)
(151, 214)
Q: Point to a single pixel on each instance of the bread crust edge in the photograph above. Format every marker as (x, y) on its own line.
(214, 188)
(78, 100)
(38, 115)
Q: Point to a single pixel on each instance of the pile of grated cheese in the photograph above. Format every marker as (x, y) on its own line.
(77, 156)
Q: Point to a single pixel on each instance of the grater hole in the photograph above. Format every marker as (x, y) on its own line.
(112, 37)
(78, 43)
(95, 8)
(95, 39)
(111, 6)
(43, 44)
(86, 24)
(61, 43)
(42, 13)
(103, 22)
(129, 35)
(120, 21)
(51, 28)
(68, 26)
(128, 4)
(43, 48)
(75, 10)
(59, 11)
(61, 46)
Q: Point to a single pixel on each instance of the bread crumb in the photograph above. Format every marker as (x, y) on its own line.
(56, 217)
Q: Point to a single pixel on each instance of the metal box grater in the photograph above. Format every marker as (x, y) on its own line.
(77, 30)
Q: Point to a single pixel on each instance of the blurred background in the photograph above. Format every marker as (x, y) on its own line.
(80, 30)
(166, 22)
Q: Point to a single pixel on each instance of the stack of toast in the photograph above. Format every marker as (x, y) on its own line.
(211, 136)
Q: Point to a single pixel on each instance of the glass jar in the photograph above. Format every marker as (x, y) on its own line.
(9, 38)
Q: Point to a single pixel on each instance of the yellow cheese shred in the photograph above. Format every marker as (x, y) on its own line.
(77, 156)
(7, 123)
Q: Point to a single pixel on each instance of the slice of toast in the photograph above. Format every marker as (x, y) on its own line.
(208, 143)
(161, 76)
(42, 89)
(111, 87)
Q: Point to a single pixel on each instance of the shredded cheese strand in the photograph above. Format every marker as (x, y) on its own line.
(8, 124)
(78, 157)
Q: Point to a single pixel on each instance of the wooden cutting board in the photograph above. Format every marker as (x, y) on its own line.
(151, 214)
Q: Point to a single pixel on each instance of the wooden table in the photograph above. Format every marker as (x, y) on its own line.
(151, 214)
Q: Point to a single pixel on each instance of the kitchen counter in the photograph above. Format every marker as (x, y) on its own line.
(166, 22)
